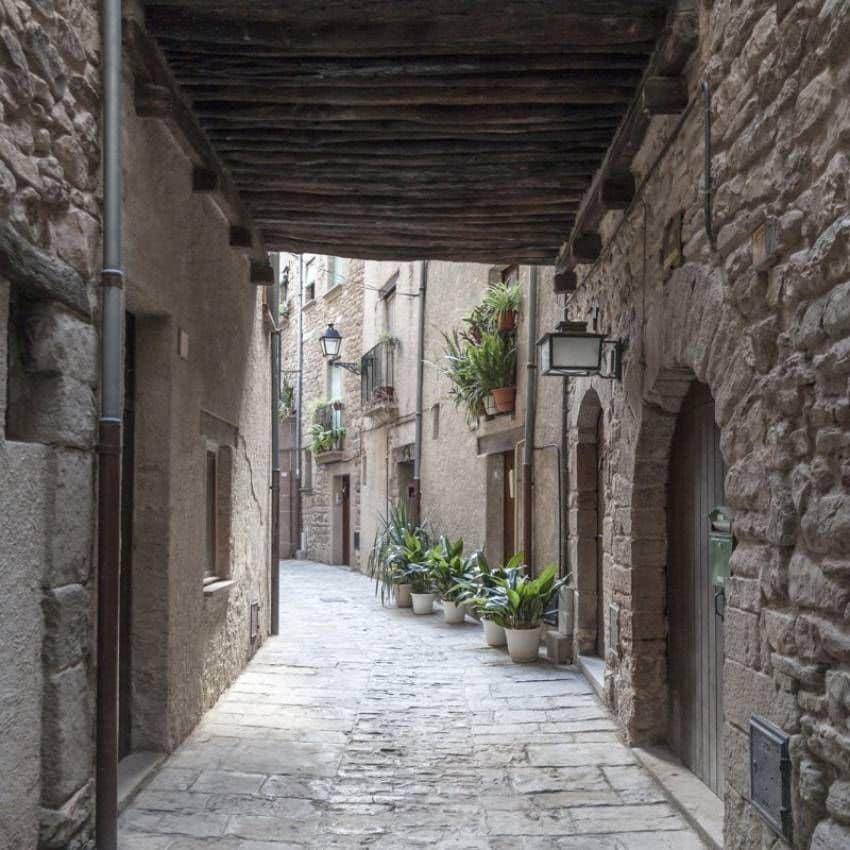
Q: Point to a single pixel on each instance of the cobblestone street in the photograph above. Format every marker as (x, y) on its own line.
(363, 727)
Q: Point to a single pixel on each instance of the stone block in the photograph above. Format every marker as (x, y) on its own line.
(72, 520)
(61, 344)
(559, 648)
(838, 801)
(55, 410)
(819, 639)
(742, 637)
(66, 736)
(4, 352)
(747, 692)
(66, 626)
(826, 524)
(744, 593)
(829, 835)
(62, 824)
(808, 587)
(836, 314)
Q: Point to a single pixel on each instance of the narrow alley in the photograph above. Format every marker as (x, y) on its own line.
(369, 727)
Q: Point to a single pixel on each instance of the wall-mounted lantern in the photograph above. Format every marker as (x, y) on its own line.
(572, 352)
(331, 342)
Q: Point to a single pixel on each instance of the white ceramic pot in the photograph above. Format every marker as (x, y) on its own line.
(523, 644)
(494, 634)
(453, 613)
(402, 595)
(423, 603)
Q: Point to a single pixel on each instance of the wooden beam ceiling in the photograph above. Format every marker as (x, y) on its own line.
(445, 129)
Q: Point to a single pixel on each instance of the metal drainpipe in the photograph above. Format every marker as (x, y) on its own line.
(530, 411)
(274, 307)
(420, 377)
(299, 470)
(109, 439)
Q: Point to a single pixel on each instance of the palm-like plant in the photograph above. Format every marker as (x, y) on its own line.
(485, 590)
(528, 597)
(492, 362)
(397, 541)
(503, 300)
(466, 390)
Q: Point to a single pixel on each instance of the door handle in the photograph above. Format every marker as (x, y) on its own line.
(720, 609)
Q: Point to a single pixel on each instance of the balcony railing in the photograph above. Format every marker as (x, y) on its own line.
(377, 374)
(329, 416)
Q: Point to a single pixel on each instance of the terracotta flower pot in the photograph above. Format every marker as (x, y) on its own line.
(504, 398)
(507, 321)
(524, 644)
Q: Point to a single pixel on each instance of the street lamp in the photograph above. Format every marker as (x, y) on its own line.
(570, 351)
(331, 342)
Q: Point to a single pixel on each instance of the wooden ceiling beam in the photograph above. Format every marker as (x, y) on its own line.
(328, 31)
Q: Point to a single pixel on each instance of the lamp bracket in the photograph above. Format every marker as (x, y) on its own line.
(354, 368)
(612, 360)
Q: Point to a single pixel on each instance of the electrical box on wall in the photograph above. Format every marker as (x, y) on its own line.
(770, 774)
(721, 544)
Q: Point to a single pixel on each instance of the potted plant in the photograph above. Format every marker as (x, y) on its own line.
(485, 593)
(527, 598)
(493, 363)
(504, 300)
(451, 573)
(391, 552)
(324, 439)
(418, 575)
(465, 389)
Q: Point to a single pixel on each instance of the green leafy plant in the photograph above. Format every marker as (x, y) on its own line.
(324, 439)
(450, 570)
(386, 338)
(528, 597)
(484, 590)
(287, 399)
(465, 389)
(478, 322)
(503, 299)
(393, 550)
(419, 576)
(492, 362)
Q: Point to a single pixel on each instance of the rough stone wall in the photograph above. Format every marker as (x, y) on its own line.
(49, 218)
(203, 361)
(342, 304)
(772, 346)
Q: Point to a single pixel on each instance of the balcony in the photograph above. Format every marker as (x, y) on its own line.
(377, 379)
(327, 435)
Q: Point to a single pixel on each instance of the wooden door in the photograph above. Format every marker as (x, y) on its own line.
(508, 507)
(125, 670)
(600, 550)
(346, 520)
(695, 631)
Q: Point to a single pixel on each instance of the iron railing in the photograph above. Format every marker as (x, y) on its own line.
(377, 374)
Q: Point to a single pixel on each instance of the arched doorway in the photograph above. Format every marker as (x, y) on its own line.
(589, 522)
(695, 629)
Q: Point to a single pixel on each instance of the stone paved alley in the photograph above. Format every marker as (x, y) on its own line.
(369, 727)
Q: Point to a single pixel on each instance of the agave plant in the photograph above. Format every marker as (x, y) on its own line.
(492, 363)
(485, 590)
(418, 575)
(392, 550)
(466, 390)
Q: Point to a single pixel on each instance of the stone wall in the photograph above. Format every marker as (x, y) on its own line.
(338, 299)
(49, 239)
(771, 344)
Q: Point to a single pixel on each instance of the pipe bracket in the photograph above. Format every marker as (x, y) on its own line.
(112, 278)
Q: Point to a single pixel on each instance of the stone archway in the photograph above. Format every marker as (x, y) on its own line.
(588, 524)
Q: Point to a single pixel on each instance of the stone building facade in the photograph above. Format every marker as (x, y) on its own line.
(325, 290)
(755, 322)
(197, 367)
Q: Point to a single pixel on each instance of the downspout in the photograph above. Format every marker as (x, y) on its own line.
(274, 307)
(530, 412)
(420, 378)
(299, 471)
(109, 439)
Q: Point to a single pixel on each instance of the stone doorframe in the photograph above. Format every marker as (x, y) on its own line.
(691, 334)
(585, 523)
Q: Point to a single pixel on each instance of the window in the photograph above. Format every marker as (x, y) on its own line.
(334, 383)
(510, 274)
(307, 471)
(217, 513)
(211, 515)
(337, 271)
(389, 311)
(309, 280)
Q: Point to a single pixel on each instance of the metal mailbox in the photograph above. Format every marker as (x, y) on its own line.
(721, 544)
